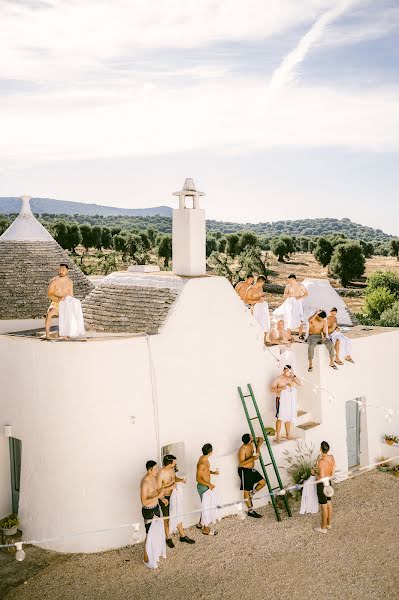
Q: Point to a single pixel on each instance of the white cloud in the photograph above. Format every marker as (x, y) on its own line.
(85, 108)
(284, 74)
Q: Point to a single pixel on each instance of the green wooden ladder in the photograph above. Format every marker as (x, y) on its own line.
(270, 461)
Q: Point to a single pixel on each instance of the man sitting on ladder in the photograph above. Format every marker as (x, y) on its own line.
(248, 475)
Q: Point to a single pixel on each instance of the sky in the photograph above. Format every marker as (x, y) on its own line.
(278, 109)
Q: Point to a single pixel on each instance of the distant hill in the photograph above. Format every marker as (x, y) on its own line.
(66, 207)
(159, 217)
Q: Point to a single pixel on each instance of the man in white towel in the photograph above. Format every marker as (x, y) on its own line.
(250, 479)
(242, 286)
(150, 495)
(60, 287)
(167, 481)
(342, 344)
(204, 482)
(284, 386)
(255, 298)
(292, 309)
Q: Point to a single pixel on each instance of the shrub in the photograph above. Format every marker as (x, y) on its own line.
(323, 251)
(348, 262)
(378, 301)
(383, 279)
(301, 462)
(279, 248)
(390, 316)
(247, 238)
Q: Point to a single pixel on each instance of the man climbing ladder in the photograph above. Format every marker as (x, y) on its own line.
(271, 461)
(251, 480)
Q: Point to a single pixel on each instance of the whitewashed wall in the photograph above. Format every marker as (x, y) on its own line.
(72, 407)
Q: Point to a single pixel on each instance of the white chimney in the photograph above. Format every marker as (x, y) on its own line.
(188, 235)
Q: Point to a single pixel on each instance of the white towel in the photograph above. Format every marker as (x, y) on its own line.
(71, 322)
(292, 312)
(261, 314)
(288, 405)
(345, 347)
(155, 544)
(210, 512)
(309, 502)
(176, 508)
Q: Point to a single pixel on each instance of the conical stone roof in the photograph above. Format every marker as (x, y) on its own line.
(29, 259)
(131, 303)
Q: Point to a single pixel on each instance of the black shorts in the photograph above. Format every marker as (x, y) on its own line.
(149, 513)
(249, 478)
(165, 509)
(321, 495)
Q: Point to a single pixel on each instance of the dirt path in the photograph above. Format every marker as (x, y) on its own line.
(357, 559)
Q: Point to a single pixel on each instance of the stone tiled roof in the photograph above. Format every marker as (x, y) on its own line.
(29, 259)
(26, 268)
(130, 304)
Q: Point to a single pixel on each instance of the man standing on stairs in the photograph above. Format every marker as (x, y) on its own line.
(249, 476)
(325, 469)
(60, 287)
(284, 386)
(167, 481)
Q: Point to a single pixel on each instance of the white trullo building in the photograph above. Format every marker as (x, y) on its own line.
(165, 354)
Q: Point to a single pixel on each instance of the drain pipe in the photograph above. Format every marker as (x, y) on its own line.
(154, 398)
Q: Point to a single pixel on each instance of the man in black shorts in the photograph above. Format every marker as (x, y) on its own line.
(325, 470)
(249, 476)
(150, 495)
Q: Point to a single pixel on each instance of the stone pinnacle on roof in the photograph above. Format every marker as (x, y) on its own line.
(26, 226)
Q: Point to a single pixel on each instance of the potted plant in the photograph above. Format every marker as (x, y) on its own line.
(395, 470)
(9, 524)
(391, 439)
(384, 466)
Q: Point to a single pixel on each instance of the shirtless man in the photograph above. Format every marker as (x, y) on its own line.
(255, 298)
(249, 476)
(167, 480)
(278, 335)
(286, 381)
(242, 286)
(318, 332)
(150, 495)
(60, 287)
(291, 311)
(204, 480)
(325, 468)
(340, 341)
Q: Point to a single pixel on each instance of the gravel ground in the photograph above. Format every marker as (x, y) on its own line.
(357, 559)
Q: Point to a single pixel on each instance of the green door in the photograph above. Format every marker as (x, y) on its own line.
(15, 468)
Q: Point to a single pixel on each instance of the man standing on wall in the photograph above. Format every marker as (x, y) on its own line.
(60, 287)
(325, 470)
(255, 298)
(167, 480)
(251, 480)
(150, 495)
(286, 401)
(204, 480)
(318, 334)
(291, 311)
(242, 286)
